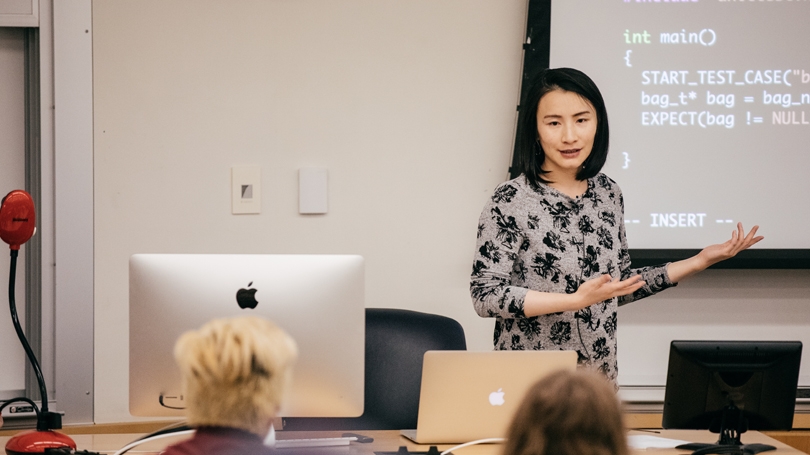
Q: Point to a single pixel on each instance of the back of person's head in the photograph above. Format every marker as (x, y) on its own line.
(568, 413)
(235, 372)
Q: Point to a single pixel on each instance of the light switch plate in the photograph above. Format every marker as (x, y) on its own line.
(246, 189)
(313, 191)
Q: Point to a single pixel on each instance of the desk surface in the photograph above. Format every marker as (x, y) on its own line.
(391, 441)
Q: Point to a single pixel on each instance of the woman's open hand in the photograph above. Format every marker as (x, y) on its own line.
(713, 254)
(590, 292)
(739, 241)
(603, 288)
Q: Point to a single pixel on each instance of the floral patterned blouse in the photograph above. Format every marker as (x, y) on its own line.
(547, 241)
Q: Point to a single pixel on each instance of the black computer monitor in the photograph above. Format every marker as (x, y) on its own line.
(729, 387)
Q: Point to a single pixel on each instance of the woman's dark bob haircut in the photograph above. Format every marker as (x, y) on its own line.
(530, 155)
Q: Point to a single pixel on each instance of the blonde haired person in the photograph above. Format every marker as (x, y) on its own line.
(568, 413)
(234, 374)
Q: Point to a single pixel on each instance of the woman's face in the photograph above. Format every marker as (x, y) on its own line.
(566, 126)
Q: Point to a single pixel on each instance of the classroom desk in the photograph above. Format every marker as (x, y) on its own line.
(390, 441)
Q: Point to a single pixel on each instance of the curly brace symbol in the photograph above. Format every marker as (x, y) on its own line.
(627, 57)
(626, 160)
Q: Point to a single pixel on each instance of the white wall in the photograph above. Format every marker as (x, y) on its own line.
(410, 105)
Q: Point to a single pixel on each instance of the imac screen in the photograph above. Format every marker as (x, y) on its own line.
(317, 299)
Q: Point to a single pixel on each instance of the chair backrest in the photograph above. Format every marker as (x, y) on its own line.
(396, 341)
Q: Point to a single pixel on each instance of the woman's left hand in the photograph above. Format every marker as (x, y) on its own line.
(739, 241)
(713, 254)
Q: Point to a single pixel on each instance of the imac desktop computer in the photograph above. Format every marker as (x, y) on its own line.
(729, 387)
(316, 299)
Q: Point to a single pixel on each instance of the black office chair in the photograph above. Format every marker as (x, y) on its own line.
(396, 341)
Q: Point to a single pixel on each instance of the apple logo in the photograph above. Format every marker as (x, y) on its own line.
(246, 298)
(496, 398)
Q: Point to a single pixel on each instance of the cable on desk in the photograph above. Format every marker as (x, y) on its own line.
(472, 443)
(131, 445)
(172, 428)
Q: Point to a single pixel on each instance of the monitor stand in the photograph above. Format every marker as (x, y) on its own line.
(732, 424)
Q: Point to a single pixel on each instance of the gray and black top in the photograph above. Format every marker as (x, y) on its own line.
(547, 241)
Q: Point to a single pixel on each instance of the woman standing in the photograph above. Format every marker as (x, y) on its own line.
(551, 263)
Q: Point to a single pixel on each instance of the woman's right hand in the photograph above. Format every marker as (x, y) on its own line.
(604, 288)
(592, 291)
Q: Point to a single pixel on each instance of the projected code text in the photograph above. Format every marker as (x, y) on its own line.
(715, 97)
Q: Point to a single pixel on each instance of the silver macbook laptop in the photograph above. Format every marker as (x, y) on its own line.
(467, 396)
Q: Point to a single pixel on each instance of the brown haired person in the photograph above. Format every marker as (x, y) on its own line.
(568, 413)
(234, 375)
